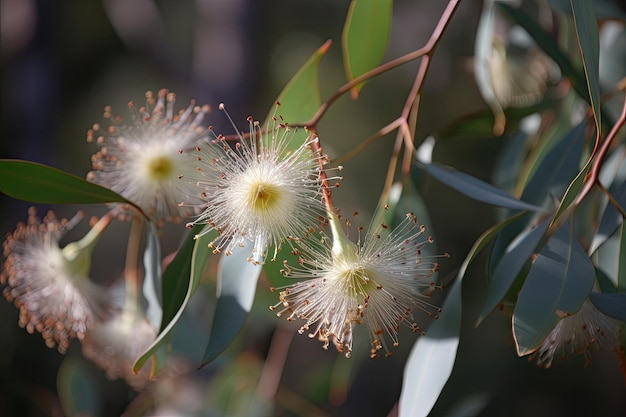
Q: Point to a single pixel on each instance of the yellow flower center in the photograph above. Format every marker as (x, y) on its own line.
(160, 168)
(263, 196)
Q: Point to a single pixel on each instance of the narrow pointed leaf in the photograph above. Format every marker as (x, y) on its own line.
(611, 219)
(589, 43)
(557, 169)
(558, 282)
(432, 358)
(181, 278)
(300, 98)
(237, 279)
(475, 188)
(613, 304)
(37, 183)
(510, 266)
(77, 389)
(572, 190)
(152, 280)
(365, 37)
(621, 268)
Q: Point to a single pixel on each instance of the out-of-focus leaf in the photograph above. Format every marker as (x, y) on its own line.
(604, 281)
(77, 389)
(300, 98)
(365, 37)
(589, 43)
(611, 219)
(37, 183)
(517, 254)
(183, 274)
(613, 304)
(152, 281)
(432, 358)
(510, 161)
(475, 188)
(480, 124)
(483, 51)
(549, 46)
(557, 169)
(558, 282)
(236, 286)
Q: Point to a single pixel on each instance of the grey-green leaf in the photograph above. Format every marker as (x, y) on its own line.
(588, 41)
(475, 188)
(558, 282)
(237, 279)
(510, 265)
(152, 280)
(613, 304)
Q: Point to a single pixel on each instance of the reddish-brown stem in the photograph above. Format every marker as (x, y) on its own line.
(425, 50)
(594, 173)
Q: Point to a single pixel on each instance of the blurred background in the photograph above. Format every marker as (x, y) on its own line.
(61, 62)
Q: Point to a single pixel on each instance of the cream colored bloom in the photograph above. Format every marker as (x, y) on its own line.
(49, 285)
(377, 282)
(257, 192)
(116, 344)
(141, 160)
(579, 333)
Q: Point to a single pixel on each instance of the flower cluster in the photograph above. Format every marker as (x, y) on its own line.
(263, 190)
(50, 285)
(578, 333)
(377, 282)
(141, 160)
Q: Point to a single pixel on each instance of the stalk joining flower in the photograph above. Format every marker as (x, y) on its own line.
(264, 191)
(49, 285)
(377, 282)
(141, 161)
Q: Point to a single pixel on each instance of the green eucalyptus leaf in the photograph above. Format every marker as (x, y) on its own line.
(558, 282)
(612, 304)
(77, 389)
(365, 37)
(512, 262)
(432, 357)
(589, 43)
(236, 286)
(475, 188)
(611, 219)
(557, 169)
(621, 261)
(300, 98)
(37, 183)
(573, 189)
(152, 281)
(180, 281)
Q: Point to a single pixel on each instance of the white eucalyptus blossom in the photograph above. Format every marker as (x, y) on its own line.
(262, 190)
(50, 285)
(141, 160)
(377, 282)
(579, 333)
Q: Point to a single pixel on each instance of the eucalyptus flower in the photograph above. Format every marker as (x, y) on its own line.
(50, 285)
(259, 191)
(579, 333)
(377, 282)
(116, 344)
(141, 160)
